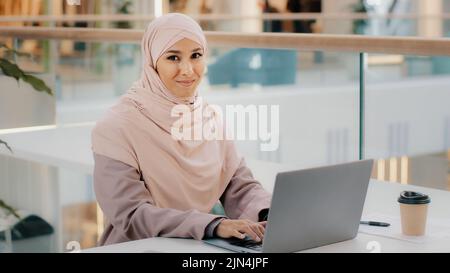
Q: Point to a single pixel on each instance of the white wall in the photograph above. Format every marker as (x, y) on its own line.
(410, 118)
(22, 106)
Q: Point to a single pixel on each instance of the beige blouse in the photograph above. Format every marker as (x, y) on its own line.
(130, 213)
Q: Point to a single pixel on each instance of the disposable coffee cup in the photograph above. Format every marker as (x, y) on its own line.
(413, 212)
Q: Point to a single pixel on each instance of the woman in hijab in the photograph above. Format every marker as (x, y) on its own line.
(149, 183)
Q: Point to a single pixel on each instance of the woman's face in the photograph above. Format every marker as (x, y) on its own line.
(181, 67)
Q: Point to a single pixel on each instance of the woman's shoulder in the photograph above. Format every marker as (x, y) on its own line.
(117, 118)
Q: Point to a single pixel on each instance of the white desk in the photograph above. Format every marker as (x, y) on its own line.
(381, 198)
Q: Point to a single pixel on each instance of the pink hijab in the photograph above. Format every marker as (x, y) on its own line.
(180, 174)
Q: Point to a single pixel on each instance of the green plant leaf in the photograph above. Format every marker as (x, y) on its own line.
(38, 84)
(6, 144)
(9, 209)
(10, 69)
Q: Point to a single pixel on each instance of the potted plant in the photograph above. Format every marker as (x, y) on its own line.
(11, 69)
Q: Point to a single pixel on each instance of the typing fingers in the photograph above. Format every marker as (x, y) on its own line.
(250, 232)
(258, 229)
(238, 234)
(254, 231)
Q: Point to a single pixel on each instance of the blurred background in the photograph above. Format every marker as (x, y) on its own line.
(403, 122)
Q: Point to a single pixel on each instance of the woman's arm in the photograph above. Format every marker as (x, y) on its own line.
(129, 208)
(244, 197)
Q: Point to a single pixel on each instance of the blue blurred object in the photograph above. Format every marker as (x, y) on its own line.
(418, 65)
(441, 65)
(218, 209)
(254, 65)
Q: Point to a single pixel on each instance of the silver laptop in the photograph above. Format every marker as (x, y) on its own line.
(310, 208)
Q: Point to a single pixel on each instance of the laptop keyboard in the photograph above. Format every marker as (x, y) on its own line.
(247, 243)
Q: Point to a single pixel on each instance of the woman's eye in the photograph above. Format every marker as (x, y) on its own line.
(196, 55)
(173, 58)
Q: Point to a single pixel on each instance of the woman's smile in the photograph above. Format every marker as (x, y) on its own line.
(186, 83)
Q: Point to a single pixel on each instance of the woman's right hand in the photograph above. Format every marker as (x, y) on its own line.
(238, 228)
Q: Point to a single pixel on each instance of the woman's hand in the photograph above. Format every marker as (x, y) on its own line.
(238, 228)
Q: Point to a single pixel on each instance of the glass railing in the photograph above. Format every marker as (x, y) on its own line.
(334, 106)
(407, 118)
